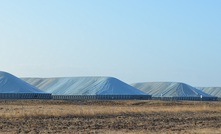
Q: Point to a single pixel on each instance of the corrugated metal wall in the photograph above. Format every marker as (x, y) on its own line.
(129, 97)
(101, 97)
(25, 96)
(186, 98)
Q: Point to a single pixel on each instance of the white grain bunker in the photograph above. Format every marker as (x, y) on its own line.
(103, 88)
(12, 87)
(173, 91)
(214, 91)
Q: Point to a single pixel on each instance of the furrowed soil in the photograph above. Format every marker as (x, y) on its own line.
(113, 117)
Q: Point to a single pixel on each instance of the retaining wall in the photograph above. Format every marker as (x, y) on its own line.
(186, 98)
(25, 96)
(101, 97)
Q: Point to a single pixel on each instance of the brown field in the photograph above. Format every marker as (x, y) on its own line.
(112, 117)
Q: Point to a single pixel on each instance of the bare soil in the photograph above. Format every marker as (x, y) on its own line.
(56, 116)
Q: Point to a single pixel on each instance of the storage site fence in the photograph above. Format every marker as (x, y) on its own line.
(186, 98)
(101, 97)
(25, 96)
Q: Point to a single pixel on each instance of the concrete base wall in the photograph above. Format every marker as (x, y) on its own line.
(186, 98)
(101, 97)
(25, 96)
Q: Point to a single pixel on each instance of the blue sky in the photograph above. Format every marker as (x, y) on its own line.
(133, 40)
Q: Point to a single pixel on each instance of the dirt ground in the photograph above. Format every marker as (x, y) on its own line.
(112, 117)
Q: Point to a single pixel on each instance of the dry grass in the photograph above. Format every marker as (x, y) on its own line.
(118, 117)
(206, 131)
(23, 110)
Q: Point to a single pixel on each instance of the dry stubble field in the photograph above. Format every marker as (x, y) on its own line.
(113, 117)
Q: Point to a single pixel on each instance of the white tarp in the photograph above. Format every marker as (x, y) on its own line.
(84, 86)
(214, 91)
(169, 89)
(11, 84)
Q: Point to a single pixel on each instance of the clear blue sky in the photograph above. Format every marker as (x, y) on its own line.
(133, 40)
